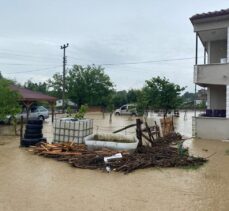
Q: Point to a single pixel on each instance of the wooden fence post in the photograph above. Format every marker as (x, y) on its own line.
(139, 131)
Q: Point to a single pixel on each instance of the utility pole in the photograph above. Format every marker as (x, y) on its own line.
(64, 72)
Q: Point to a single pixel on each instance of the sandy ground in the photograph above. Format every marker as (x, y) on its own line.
(29, 182)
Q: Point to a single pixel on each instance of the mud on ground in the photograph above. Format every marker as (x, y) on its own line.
(33, 183)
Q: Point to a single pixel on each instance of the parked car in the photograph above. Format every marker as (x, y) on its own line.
(36, 112)
(129, 109)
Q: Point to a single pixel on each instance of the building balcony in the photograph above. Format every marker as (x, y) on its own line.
(216, 74)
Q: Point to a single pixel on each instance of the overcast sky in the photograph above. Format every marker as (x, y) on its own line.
(101, 32)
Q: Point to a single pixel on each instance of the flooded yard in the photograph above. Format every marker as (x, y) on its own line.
(30, 182)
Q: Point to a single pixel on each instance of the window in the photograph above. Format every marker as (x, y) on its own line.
(123, 108)
(33, 109)
(42, 109)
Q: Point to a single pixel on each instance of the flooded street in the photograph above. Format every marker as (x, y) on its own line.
(29, 182)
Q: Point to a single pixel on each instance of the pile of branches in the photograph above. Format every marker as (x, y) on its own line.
(161, 154)
(143, 157)
(171, 138)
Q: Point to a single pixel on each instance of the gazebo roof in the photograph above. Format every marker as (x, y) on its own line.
(30, 96)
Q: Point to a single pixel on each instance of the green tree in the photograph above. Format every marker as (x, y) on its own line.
(202, 105)
(188, 97)
(188, 100)
(55, 85)
(159, 93)
(39, 87)
(132, 95)
(9, 101)
(142, 102)
(89, 85)
(119, 98)
(123, 97)
(1, 77)
(81, 113)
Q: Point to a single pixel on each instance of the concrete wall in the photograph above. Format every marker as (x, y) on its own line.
(215, 74)
(213, 23)
(217, 97)
(218, 50)
(211, 128)
(228, 43)
(208, 46)
(227, 101)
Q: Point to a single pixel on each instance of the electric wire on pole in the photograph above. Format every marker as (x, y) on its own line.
(64, 72)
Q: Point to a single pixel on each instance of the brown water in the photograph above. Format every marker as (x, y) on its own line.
(29, 182)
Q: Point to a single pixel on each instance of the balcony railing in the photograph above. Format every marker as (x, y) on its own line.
(214, 113)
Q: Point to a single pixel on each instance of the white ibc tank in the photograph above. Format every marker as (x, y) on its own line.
(68, 130)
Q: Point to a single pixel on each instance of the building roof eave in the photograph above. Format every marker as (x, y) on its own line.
(210, 16)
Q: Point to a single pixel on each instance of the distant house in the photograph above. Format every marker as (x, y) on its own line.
(213, 73)
(202, 94)
(68, 103)
(201, 97)
(200, 102)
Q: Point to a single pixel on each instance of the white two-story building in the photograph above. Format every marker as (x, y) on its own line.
(212, 31)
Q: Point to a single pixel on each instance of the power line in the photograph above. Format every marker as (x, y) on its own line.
(28, 56)
(13, 51)
(107, 64)
(142, 62)
(21, 64)
(49, 68)
(150, 61)
(104, 64)
(82, 59)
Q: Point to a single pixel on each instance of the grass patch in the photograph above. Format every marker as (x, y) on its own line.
(227, 151)
(192, 167)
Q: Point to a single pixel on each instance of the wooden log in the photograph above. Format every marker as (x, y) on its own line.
(124, 128)
(147, 138)
(149, 132)
(139, 131)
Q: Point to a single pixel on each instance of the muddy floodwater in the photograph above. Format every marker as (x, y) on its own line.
(29, 182)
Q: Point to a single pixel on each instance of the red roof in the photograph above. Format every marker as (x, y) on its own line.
(29, 95)
(210, 14)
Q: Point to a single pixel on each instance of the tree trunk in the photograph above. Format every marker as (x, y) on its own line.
(103, 111)
(110, 120)
(15, 125)
(165, 113)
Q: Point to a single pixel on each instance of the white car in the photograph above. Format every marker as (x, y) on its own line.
(36, 112)
(128, 109)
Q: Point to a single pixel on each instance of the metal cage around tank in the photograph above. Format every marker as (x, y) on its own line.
(71, 130)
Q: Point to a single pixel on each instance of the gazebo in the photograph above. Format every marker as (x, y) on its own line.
(28, 97)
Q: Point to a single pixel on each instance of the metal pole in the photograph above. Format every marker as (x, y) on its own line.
(64, 72)
(196, 62)
(21, 131)
(205, 55)
(53, 112)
